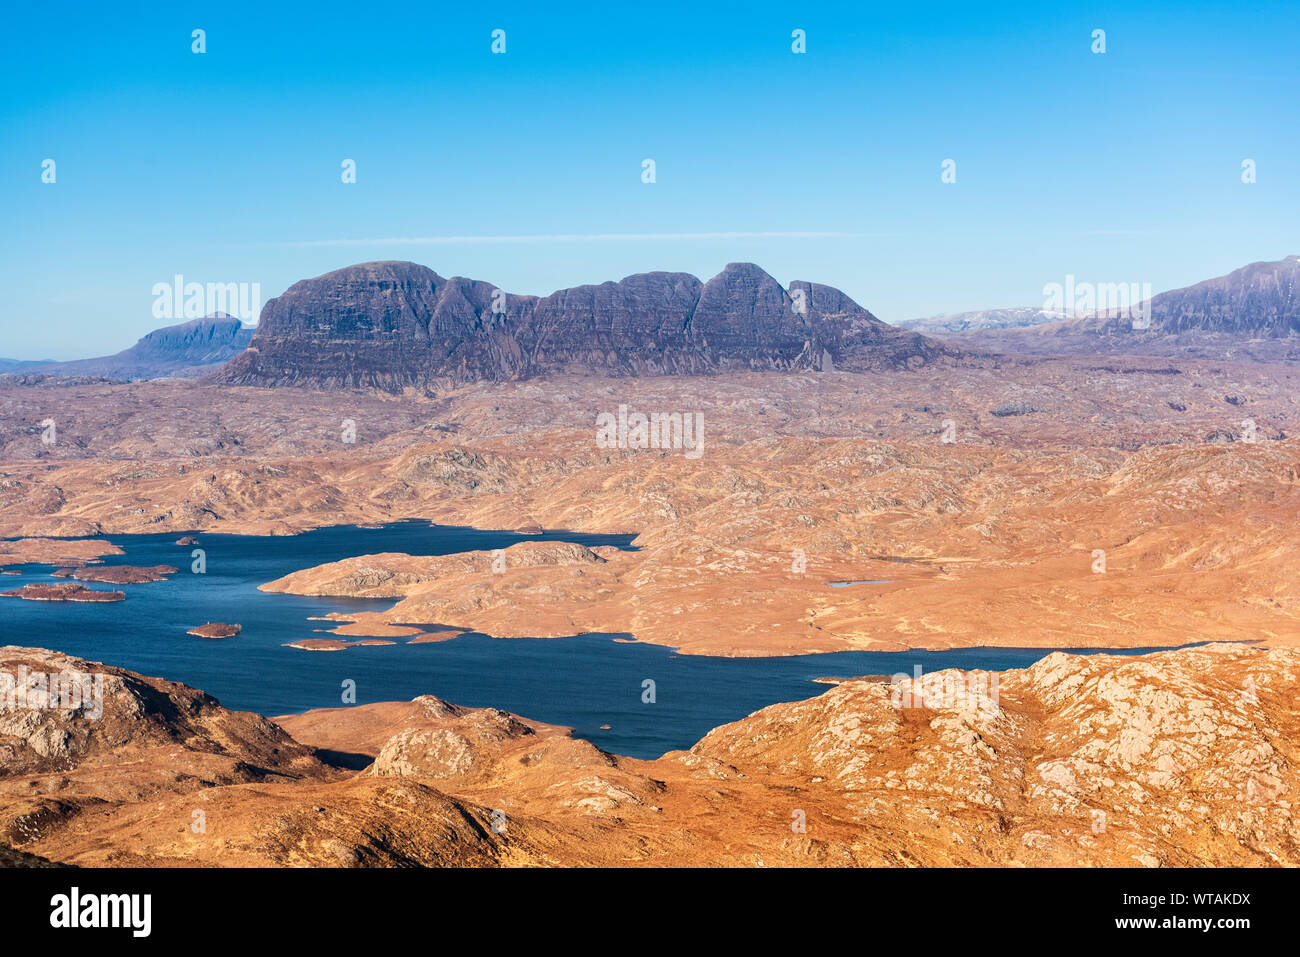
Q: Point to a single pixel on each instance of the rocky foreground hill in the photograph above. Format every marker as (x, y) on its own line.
(1180, 758)
(396, 325)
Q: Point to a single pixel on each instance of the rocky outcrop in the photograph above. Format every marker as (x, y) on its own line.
(480, 753)
(1177, 758)
(459, 739)
(79, 739)
(394, 325)
(99, 716)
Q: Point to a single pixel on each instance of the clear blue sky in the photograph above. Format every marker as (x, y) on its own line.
(225, 167)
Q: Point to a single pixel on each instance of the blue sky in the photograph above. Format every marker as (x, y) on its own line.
(225, 167)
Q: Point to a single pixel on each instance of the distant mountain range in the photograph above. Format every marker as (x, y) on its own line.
(1252, 312)
(1013, 318)
(398, 325)
(17, 365)
(184, 351)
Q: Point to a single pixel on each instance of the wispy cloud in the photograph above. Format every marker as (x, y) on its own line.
(1118, 232)
(571, 238)
(540, 238)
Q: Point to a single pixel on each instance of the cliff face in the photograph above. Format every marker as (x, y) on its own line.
(393, 325)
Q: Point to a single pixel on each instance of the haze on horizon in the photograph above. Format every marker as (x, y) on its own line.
(525, 168)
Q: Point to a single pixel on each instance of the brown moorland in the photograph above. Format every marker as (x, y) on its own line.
(996, 537)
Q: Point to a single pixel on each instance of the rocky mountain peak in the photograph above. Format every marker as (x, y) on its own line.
(395, 325)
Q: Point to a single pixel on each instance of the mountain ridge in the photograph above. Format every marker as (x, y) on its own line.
(1251, 312)
(392, 325)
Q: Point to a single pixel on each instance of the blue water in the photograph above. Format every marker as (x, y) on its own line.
(582, 682)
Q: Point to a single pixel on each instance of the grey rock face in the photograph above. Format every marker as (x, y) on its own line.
(397, 325)
(1260, 300)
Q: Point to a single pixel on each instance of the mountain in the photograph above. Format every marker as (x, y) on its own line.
(184, 351)
(17, 365)
(1259, 301)
(393, 325)
(1252, 312)
(1013, 318)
